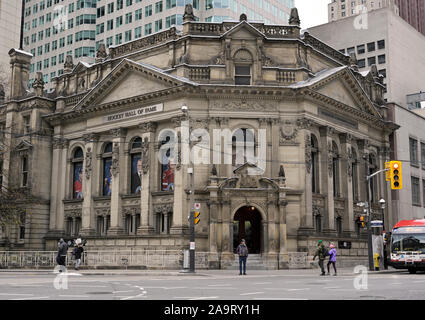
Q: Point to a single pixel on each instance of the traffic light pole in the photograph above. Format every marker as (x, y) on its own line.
(369, 218)
(192, 221)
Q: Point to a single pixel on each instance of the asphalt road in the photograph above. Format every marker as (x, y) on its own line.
(209, 285)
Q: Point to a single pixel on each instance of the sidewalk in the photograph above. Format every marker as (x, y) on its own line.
(199, 272)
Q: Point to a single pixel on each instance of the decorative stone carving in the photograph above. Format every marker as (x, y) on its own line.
(308, 159)
(38, 84)
(214, 170)
(118, 132)
(145, 156)
(294, 19)
(101, 54)
(243, 55)
(164, 208)
(69, 64)
(115, 168)
(179, 151)
(248, 181)
(148, 127)
(188, 13)
(244, 106)
(288, 133)
(88, 166)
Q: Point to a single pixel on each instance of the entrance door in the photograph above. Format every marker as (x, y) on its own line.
(247, 225)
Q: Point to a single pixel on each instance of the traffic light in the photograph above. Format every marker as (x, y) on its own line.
(196, 215)
(396, 175)
(362, 221)
(388, 172)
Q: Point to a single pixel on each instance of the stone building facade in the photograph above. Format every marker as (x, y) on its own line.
(81, 146)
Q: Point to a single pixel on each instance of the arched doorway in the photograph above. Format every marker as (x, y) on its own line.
(247, 225)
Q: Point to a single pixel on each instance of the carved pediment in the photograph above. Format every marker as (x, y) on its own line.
(24, 146)
(243, 30)
(129, 79)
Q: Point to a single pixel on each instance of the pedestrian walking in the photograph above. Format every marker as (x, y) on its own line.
(77, 253)
(332, 258)
(62, 253)
(242, 251)
(321, 252)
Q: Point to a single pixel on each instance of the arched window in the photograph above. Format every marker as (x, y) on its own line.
(314, 165)
(167, 166)
(243, 146)
(243, 62)
(107, 169)
(136, 165)
(77, 174)
(335, 169)
(355, 173)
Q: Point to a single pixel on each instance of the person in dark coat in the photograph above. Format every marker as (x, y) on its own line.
(242, 251)
(62, 253)
(77, 252)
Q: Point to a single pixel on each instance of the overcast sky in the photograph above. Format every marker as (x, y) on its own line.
(312, 12)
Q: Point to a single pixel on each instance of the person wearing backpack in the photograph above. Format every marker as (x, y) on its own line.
(321, 252)
(332, 258)
(242, 251)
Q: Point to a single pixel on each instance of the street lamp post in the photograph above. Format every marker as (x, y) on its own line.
(382, 203)
(191, 172)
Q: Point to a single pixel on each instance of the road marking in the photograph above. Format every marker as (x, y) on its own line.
(278, 299)
(26, 285)
(331, 287)
(218, 285)
(166, 288)
(203, 298)
(263, 283)
(30, 298)
(246, 294)
(122, 291)
(298, 289)
(87, 286)
(73, 296)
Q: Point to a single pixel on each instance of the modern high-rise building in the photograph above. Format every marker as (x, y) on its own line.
(388, 42)
(54, 29)
(10, 30)
(412, 11)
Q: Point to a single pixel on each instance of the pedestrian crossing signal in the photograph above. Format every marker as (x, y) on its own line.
(196, 215)
(362, 221)
(396, 175)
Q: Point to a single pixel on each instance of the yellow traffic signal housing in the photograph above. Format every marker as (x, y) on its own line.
(362, 221)
(196, 215)
(396, 175)
(388, 172)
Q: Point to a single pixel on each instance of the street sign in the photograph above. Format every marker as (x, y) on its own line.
(376, 223)
(197, 206)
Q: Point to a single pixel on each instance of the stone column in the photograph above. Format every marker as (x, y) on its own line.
(88, 219)
(283, 240)
(133, 224)
(64, 177)
(54, 194)
(273, 235)
(147, 219)
(181, 181)
(327, 176)
(213, 258)
(117, 180)
(363, 146)
(347, 186)
(227, 256)
(308, 219)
